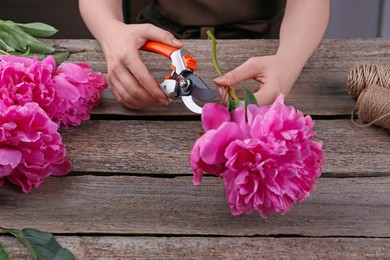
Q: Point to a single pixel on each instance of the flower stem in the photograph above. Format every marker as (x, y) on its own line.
(228, 90)
(214, 52)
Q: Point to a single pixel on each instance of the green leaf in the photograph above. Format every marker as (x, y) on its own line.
(4, 46)
(45, 245)
(60, 57)
(19, 235)
(15, 37)
(3, 253)
(231, 105)
(37, 29)
(26, 53)
(249, 97)
(238, 102)
(41, 245)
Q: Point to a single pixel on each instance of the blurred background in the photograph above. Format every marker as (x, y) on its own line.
(349, 18)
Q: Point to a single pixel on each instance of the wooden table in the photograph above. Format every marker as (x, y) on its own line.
(130, 192)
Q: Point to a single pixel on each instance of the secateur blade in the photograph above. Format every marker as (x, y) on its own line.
(191, 105)
(199, 89)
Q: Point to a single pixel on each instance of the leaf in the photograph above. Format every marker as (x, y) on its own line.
(37, 29)
(41, 245)
(4, 46)
(237, 102)
(231, 105)
(60, 57)
(3, 253)
(45, 245)
(249, 99)
(15, 37)
(19, 235)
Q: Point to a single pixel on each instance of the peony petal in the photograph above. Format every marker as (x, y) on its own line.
(10, 157)
(213, 115)
(73, 71)
(65, 89)
(213, 149)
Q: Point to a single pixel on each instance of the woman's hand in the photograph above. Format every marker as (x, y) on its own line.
(131, 81)
(270, 71)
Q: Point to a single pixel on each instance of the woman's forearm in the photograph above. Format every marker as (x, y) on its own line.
(98, 15)
(302, 29)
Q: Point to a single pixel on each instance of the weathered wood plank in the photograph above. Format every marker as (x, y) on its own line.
(357, 207)
(332, 53)
(319, 90)
(163, 147)
(327, 99)
(117, 247)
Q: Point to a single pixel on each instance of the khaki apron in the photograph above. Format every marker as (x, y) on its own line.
(228, 19)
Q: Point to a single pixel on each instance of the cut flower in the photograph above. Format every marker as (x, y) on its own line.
(266, 157)
(67, 93)
(36, 99)
(31, 149)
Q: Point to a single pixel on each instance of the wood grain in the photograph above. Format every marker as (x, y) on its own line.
(163, 147)
(319, 90)
(130, 193)
(357, 207)
(119, 247)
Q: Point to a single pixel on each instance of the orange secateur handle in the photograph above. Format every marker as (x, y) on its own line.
(180, 56)
(159, 48)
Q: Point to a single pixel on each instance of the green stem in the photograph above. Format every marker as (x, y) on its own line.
(229, 91)
(214, 52)
(3, 52)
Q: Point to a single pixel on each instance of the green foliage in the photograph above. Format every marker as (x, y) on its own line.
(41, 245)
(3, 253)
(249, 99)
(20, 40)
(37, 29)
(231, 105)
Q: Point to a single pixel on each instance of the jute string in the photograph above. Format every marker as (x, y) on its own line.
(370, 85)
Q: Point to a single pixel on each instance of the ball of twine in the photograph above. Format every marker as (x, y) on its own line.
(370, 85)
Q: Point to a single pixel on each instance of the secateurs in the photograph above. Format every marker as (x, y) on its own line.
(183, 82)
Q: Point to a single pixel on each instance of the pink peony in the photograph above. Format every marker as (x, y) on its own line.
(78, 90)
(67, 93)
(31, 149)
(267, 161)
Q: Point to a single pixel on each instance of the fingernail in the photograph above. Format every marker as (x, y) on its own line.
(164, 101)
(219, 80)
(176, 42)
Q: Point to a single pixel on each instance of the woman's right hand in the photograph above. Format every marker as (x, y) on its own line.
(130, 79)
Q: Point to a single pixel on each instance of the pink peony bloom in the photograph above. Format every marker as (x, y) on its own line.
(67, 94)
(78, 92)
(267, 162)
(31, 149)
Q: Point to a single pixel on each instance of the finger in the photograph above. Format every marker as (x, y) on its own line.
(244, 71)
(125, 99)
(130, 93)
(266, 95)
(117, 96)
(160, 35)
(145, 80)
